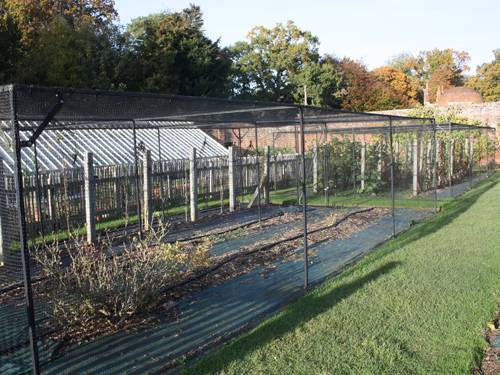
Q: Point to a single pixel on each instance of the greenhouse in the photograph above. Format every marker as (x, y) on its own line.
(221, 210)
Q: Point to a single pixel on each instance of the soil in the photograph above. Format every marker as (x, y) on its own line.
(259, 254)
(491, 361)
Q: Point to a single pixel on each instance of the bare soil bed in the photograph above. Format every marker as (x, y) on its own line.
(263, 254)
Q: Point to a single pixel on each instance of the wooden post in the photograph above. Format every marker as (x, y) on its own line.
(193, 186)
(363, 164)
(89, 197)
(267, 171)
(231, 183)
(147, 190)
(315, 169)
(415, 166)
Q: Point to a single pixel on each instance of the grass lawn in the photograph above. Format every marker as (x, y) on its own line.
(416, 305)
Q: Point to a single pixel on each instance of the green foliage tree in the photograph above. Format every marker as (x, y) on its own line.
(33, 16)
(71, 55)
(275, 64)
(487, 79)
(438, 67)
(169, 52)
(10, 47)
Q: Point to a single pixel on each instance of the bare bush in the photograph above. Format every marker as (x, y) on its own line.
(96, 283)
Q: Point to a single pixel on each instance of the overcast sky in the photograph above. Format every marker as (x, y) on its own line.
(371, 31)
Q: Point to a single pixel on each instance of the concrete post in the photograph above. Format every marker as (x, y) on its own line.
(193, 186)
(231, 183)
(147, 190)
(50, 198)
(452, 161)
(315, 169)
(415, 158)
(89, 185)
(118, 193)
(379, 162)
(211, 178)
(363, 164)
(267, 171)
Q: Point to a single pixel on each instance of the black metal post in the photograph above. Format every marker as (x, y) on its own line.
(470, 161)
(137, 183)
(258, 174)
(25, 256)
(326, 176)
(434, 164)
(391, 148)
(38, 191)
(304, 202)
(450, 167)
(353, 156)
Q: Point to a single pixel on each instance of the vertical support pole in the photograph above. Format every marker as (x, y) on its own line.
(258, 173)
(304, 202)
(379, 161)
(117, 187)
(315, 169)
(25, 256)
(3, 212)
(160, 174)
(147, 190)
(434, 164)
(137, 184)
(415, 160)
(391, 149)
(210, 178)
(469, 157)
(231, 183)
(363, 163)
(38, 191)
(50, 197)
(267, 172)
(193, 186)
(450, 168)
(353, 161)
(88, 172)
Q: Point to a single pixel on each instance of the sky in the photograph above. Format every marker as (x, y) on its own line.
(370, 31)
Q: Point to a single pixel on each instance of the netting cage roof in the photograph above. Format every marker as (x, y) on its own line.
(82, 108)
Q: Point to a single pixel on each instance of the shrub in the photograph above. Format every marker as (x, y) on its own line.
(100, 284)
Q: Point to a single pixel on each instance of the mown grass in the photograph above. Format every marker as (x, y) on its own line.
(416, 305)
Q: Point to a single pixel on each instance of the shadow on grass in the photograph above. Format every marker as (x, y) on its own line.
(291, 318)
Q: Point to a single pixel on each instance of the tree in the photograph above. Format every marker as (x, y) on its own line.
(403, 89)
(33, 16)
(487, 79)
(10, 47)
(358, 84)
(436, 67)
(276, 64)
(403, 62)
(322, 82)
(68, 55)
(170, 53)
